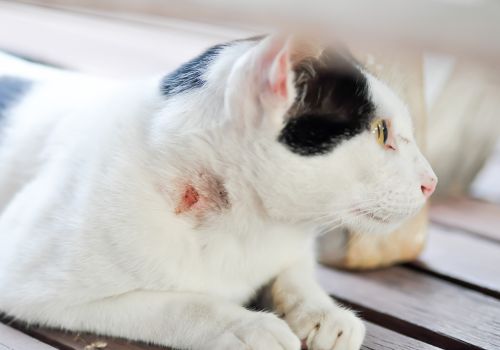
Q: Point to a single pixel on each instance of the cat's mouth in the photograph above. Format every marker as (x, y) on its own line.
(382, 219)
(388, 218)
(373, 221)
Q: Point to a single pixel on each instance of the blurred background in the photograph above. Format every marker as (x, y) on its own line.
(453, 44)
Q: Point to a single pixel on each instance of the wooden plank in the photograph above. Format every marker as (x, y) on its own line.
(468, 214)
(378, 338)
(83, 341)
(463, 257)
(12, 339)
(417, 305)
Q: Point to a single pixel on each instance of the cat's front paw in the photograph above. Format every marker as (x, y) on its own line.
(261, 331)
(331, 328)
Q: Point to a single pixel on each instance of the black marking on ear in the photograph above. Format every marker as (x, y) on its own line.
(190, 75)
(333, 104)
(11, 91)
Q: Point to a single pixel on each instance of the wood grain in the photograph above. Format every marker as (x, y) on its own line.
(12, 339)
(418, 305)
(462, 257)
(82, 341)
(468, 214)
(377, 338)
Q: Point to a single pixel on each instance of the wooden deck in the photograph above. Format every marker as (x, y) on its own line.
(449, 298)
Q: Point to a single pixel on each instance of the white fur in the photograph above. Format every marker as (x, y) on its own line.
(90, 240)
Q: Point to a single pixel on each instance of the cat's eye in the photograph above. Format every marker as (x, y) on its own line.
(380, 130)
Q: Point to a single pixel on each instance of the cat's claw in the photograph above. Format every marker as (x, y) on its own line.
(263, 331)
(332, 328)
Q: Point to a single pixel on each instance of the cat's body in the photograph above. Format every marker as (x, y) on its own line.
(143, 210)
(86, 199)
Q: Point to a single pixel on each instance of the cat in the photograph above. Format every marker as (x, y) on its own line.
(155, 210)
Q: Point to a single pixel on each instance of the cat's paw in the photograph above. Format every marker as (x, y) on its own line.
(262, 331)
(332, 328)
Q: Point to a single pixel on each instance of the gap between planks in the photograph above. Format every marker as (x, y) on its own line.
(462, 258)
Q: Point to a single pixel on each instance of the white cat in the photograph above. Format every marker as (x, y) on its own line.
(153, 210)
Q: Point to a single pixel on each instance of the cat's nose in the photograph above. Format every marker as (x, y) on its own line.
(428, 185)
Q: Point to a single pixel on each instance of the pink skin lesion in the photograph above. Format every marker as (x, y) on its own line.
(203, 194)
(197, 196)
(188, 199)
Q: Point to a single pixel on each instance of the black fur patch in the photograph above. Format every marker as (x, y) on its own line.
(333, 104)
(11, 90)
(190, 75)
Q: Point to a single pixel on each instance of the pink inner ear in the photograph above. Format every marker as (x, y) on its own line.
(279, 83)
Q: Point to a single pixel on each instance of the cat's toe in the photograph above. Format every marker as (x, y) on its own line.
(331, 329)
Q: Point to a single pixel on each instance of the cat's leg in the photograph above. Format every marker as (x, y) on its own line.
(179, 320)
(312, 314)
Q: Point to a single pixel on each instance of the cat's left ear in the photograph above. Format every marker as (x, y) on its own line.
(273, 70)
(262, 80)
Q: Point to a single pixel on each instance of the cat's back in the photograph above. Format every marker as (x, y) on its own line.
(34, 98)
(45, 89)
(45, 112)
(59, 133)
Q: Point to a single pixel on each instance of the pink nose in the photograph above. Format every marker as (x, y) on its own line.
(428, 186)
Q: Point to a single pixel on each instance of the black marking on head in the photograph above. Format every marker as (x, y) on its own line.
(190, 75)
(333, 104)
(11, 90)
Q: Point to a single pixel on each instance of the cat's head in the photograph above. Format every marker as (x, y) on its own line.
(318, 138)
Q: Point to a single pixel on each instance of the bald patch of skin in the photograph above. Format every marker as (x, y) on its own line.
(200, 196)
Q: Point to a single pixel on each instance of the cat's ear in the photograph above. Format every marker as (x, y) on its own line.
(273, 70)
(262, 80)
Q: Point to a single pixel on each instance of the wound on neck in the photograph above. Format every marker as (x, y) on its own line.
(202, 195)
(189, 198)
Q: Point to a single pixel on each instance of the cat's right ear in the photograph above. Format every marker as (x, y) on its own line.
(261, 82)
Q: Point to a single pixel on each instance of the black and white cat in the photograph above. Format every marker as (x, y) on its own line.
(153, 210)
